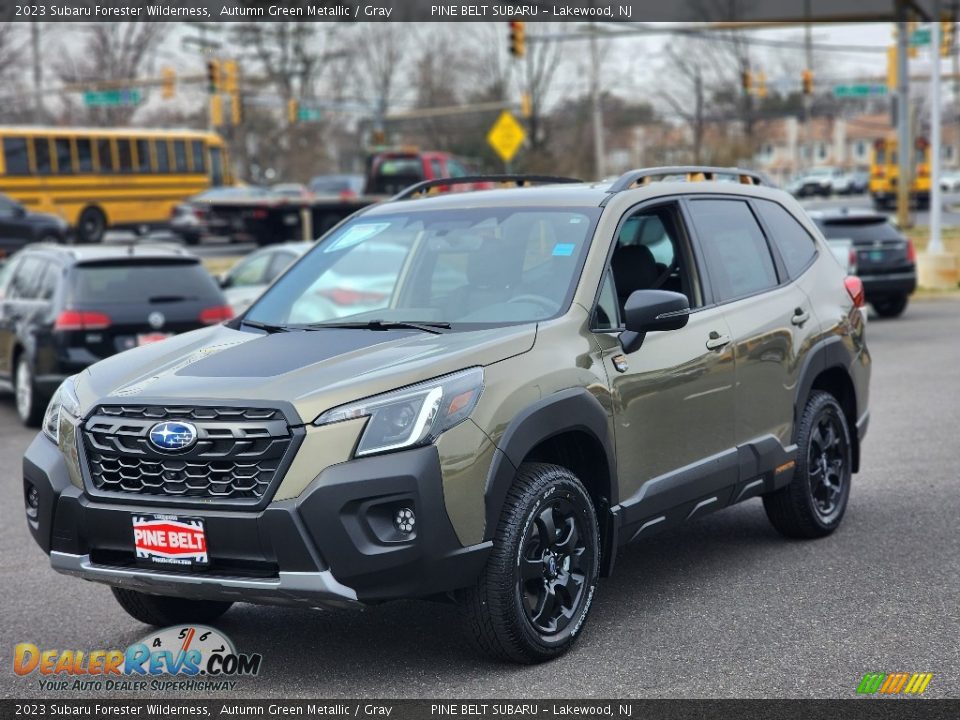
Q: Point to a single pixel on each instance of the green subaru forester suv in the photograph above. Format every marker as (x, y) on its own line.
(476, 397)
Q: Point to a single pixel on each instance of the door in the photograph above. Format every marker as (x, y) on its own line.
(674, 396)
(15, 230)
(767, 314)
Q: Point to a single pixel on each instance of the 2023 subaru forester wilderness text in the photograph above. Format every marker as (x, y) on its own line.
(555, 372)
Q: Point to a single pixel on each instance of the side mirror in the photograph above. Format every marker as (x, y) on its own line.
(647, 310)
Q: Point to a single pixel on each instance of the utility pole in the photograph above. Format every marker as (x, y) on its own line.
(935, 247)
(599, 152)
(807, 97)
(903, 119)
(37, 74)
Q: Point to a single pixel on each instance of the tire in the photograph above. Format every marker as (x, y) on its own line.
(190, 238)
(160, 610)
(515, 619)
(890, 307)
(30, 406)
(810, 507)
(92, 225)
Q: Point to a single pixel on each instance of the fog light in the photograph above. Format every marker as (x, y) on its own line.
(404, 520)
(33, 502)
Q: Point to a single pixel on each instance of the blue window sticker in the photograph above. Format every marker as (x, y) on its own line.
(563, 249)
(356, 234)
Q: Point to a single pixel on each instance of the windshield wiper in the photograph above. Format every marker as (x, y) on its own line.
(436, 328)
(265, 326)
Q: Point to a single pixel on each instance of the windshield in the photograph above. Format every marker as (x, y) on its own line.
(482, 266)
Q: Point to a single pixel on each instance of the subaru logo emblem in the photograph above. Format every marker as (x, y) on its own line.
(173, 436)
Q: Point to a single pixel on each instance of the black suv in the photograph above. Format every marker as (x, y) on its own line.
(64, 308)
(886, 259)
(19, 227)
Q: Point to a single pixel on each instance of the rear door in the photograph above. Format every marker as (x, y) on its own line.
(768, 317)
(20, 305)
(136, 301)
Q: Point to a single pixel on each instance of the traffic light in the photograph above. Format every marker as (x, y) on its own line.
(293, 109)
(168, 83)
(746, 81)
(213, 76)
(761, 84)
(806, 78)
(236, 109)
(518, 38)
(229, 71)
(216, 110)
(947, 31)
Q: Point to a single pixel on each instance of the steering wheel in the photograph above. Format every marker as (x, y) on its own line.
(544, 302)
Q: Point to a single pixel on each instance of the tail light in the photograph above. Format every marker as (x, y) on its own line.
(347, 195)
(911, 252)
(259, 213)
(346, 296)
(855, 289)
(852, 258)
(214, 315)
(200, 212)
(81, 320)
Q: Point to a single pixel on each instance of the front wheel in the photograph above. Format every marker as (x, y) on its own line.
(92, 225)
(813, 503)
(533, 597)
(160, 610)
(30, 405)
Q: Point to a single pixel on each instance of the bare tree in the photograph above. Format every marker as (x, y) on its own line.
(112, 51)
(380, 62)
(15, 107)
(538, 75)
(684, 80)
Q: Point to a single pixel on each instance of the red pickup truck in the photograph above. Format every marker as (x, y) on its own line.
(391, 171)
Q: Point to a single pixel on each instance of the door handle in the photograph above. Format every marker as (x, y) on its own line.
(717, 341)
(800, 316)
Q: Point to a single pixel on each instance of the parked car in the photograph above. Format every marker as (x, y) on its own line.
(194, 218)
(851, 183)
(20, 227)
(297, 191)
(349, 186)
(950, 181)
(394, 170)
(244, 282)
(886, 259)
(810, 186)
(64, 308)
(613, 360)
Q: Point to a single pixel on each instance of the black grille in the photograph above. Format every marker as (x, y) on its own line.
(237, 456)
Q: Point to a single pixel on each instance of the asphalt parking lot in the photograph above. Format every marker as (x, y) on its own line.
(723, 608)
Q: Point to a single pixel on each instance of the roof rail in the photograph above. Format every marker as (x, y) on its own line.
(518, 180)
(632, 177)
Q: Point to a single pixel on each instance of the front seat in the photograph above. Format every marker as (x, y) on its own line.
(493, 274)
(634, 268)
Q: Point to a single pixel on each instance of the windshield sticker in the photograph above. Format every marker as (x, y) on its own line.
(356, 234)
(563, 249)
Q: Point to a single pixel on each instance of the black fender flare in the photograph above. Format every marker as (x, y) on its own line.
(574, 409)
(827, 354)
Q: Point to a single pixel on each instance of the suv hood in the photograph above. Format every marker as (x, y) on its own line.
(313, 371)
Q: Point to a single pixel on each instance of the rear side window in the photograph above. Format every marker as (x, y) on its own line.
(737, 256)
(41, 155)
(199, 162)
(142, 282)
(64, 157)
(796, 246)
(25, 283)
(84, 155)
(15, 156)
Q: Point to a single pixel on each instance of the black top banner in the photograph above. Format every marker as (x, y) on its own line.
(571, 11)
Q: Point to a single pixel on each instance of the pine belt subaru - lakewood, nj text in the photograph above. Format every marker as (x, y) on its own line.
(551, 372)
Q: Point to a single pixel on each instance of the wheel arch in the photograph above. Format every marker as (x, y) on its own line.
(569, 428)
(827, 368)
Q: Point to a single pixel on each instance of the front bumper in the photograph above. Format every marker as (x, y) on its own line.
(889, 284)
(335, 544)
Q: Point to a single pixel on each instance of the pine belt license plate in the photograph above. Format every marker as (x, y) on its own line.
(170, 540)
(148, 338)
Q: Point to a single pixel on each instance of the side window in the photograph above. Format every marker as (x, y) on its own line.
(84, 155)
(651, 254)
(48, 282)
(456, 168)
(41, 155)
(25, 283)
(607, 316)
(143, 155)
(796, 246)
(436, 169)
(736, 253)
(15, 155)
(251, 271)
(106, 156)
(6, 272)
(216, 166)
(125, 155)
(278, 263)
(199, 162)
(64, 156)
(180, 155)
(163, 156)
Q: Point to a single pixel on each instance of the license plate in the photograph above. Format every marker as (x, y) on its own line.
(876, 255)
(147, 338)
(170, 540)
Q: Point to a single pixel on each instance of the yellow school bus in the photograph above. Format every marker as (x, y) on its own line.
(885, 169)
(108, 178)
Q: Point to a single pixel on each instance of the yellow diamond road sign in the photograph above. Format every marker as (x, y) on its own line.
(506, 136)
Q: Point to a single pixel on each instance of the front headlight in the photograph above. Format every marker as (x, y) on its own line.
(63, 400)
(414, 415)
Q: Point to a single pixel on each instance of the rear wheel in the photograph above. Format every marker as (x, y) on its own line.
(29, 405)
(890, 307)
(534, 594)
(92, 225)
(161, 610)
(814, 502)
